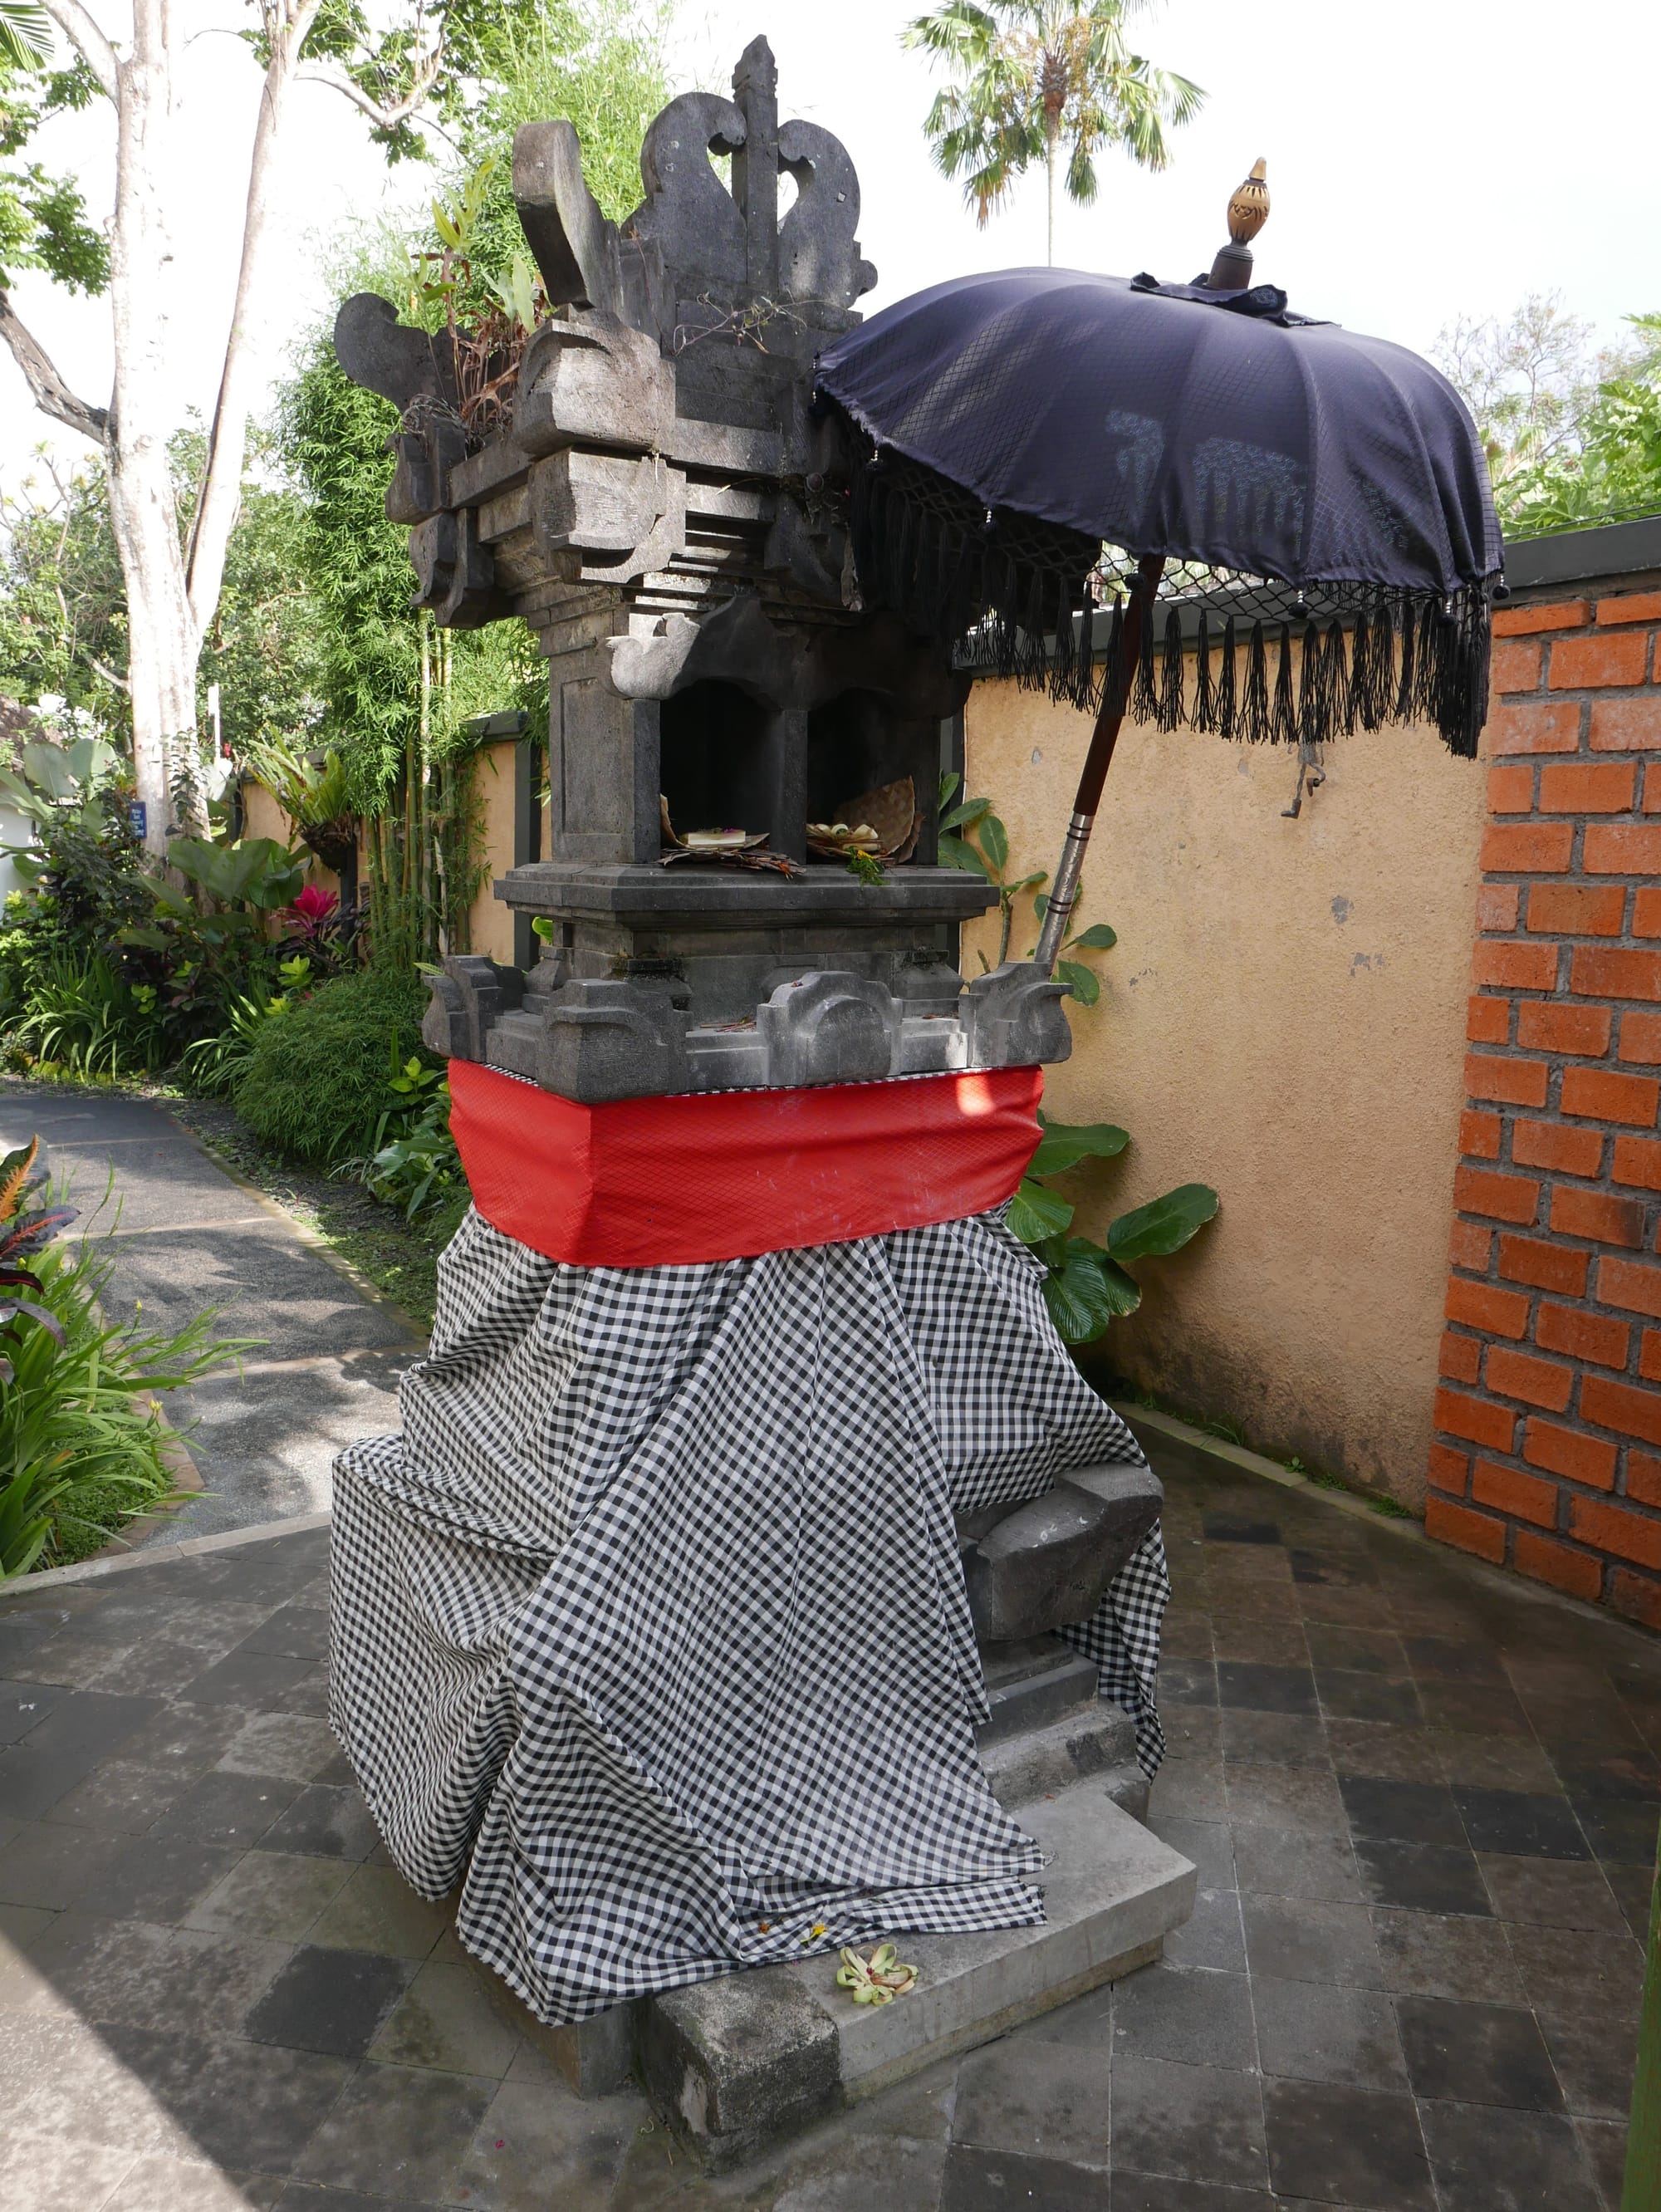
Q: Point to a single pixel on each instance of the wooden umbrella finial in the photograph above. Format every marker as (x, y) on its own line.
(1248, 211)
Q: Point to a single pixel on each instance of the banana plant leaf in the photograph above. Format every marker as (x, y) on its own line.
(1064, 1144)
(256, 872)
(1164, 1225)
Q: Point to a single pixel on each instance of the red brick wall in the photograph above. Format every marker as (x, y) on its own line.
(1548, 1449)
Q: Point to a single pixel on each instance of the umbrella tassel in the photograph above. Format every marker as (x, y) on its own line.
(1144, 704)
(1388, 659)
(1084, 687)
(980, 571)
(1033, 668)
(1404, 688)
(1110, 659)
(926, 570)
(966, 585)
(1254, 719)
(1360, 668)
(903, 577)
(1002, 601)
(1338, 679)
(1226, 711)
(1436, 701)
(1312, 716)
(1204, 713)
(1430, 626)
(1478, 647)
(1170, 696)
(1059, 676)
(1073, 647)
(1385, 659)
(1286, 713)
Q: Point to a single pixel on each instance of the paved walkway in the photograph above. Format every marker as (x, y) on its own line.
(1423, 1803)
(186, 1235)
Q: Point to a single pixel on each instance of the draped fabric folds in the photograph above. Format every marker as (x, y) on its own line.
(649, 1627)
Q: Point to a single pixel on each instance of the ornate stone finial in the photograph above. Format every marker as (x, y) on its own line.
(1248, 211)
(756, 165)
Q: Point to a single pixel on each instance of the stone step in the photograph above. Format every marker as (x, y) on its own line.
(736, 2063)
(1031, 1684)
(1093, 1743)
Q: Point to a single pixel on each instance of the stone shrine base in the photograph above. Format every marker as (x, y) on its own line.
(736, 2063)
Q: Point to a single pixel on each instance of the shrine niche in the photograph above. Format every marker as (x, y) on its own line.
(666, 510)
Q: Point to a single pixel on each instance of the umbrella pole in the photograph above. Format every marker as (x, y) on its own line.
(1115, 698)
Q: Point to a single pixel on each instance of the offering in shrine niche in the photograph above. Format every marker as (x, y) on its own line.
(743, 759)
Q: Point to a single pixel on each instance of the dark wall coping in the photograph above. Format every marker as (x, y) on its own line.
(512, 722)
(1616, 552)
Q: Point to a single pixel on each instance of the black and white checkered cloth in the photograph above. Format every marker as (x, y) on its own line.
(651, 1622)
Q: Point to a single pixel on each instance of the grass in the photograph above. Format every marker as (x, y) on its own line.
(101, 1512)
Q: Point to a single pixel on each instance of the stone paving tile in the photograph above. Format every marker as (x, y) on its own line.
(1411, 1979)
(269, 1895)
(1192, 2123)
(399, 2132)
(159, 2184)
(329, 2001)
(1347, 2146)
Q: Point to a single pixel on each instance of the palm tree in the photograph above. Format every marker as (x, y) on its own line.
(1027, 75)
(25, 35)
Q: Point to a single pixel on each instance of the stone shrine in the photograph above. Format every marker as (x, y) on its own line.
(668, 513)
(744, 893)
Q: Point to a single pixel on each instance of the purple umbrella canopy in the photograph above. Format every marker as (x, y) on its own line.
(1028, 442)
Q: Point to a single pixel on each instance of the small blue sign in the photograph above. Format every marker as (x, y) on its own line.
(139, 817)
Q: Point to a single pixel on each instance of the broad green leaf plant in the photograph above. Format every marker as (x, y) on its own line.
(1087, 1284)
(983, 848)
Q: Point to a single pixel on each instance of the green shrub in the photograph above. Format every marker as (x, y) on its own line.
(316, 1080)
(80, 1013)
(82, 1445)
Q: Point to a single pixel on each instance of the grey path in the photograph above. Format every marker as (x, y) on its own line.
(186, 1235)
(1423, 1805)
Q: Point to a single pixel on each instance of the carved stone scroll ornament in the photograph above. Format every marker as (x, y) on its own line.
(455, 573)
(416, 371)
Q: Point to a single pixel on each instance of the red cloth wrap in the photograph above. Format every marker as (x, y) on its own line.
(722, 1175)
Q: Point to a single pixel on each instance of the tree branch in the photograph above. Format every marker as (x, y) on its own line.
(46, 387)
(385, 115)
(108, 674)
(88, 41)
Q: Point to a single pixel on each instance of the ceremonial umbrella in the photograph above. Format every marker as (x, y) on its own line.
(1042, 453)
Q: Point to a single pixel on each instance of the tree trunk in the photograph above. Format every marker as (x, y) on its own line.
(163, 641)
(172, 596)
(1051, 141)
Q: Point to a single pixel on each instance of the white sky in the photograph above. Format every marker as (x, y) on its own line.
(1424, 157)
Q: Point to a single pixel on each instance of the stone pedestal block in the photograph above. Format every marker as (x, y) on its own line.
(736, 2063)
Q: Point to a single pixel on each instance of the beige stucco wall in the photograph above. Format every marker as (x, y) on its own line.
(1282, 1018)
(491, 923)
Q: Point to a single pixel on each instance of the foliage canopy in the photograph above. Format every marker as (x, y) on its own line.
(1572, 431)
(1028, 78)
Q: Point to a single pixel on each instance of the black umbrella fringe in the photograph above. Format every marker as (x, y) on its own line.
(1018, 598)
